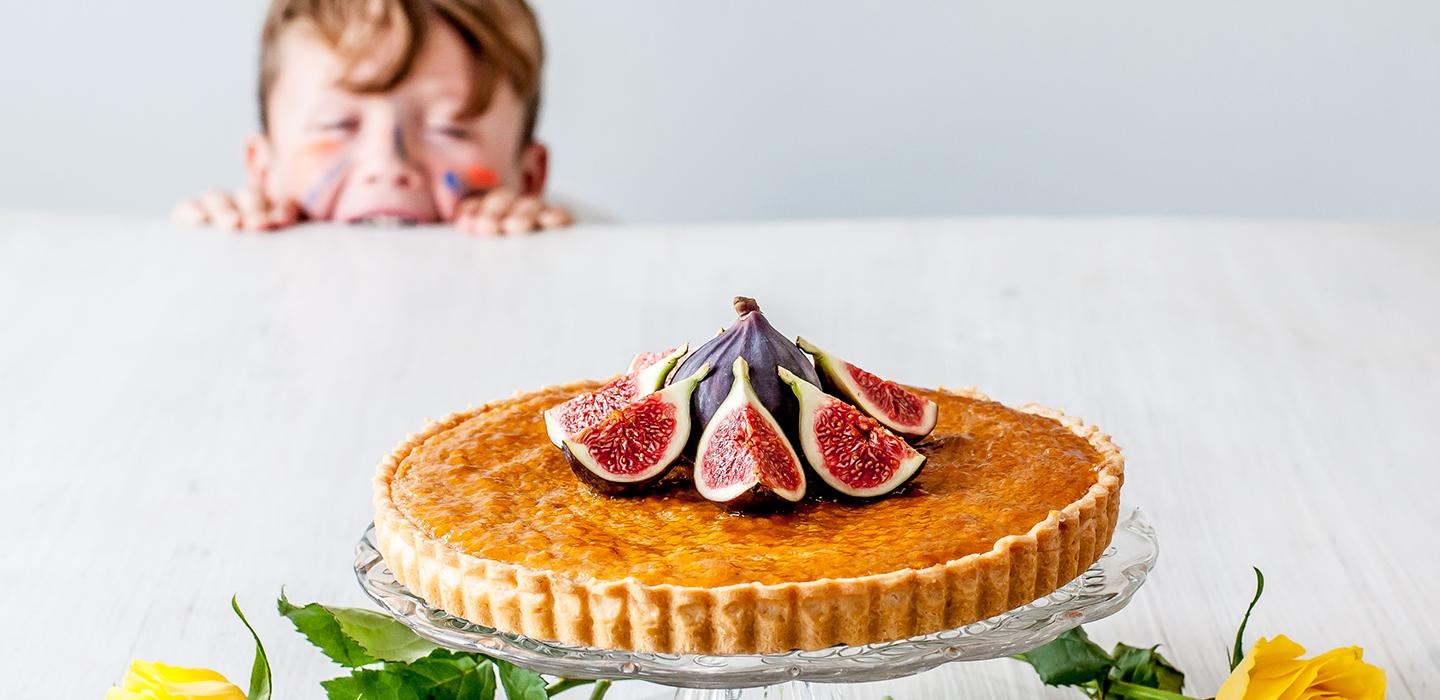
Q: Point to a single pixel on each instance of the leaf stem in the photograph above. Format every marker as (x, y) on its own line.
(1140, 692)
(601, 686)
(260, 683)
(1238, 654)
(563, 684)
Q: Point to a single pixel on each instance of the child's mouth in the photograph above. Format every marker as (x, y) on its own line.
(384, 220)
(387, 217)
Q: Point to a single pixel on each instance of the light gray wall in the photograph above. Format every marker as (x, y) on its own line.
(676, 111)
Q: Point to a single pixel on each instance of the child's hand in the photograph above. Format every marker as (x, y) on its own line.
(245, 209)
(503, 210)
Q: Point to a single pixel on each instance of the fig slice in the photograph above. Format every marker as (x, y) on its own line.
(637, 443)
(851, 452)
(647, 359)
(744, 459)
(902, 411)
(585, 410)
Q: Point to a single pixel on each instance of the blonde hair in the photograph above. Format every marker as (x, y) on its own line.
(502, 35)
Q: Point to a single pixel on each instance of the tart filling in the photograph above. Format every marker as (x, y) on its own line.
(480, 515)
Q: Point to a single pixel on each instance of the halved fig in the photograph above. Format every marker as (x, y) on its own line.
(636, 444)
(647, 359)
(897, 408)
(850, 451)
(744, 460)
(585, 410)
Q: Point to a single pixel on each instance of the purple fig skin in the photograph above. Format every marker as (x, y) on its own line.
(764, 349)
(611, 488)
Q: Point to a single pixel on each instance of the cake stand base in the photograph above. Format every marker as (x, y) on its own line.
(797, 690)
(1102, 590)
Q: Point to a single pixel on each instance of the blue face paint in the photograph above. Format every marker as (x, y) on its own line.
(475, 180)
(331, 174)
(400, 142)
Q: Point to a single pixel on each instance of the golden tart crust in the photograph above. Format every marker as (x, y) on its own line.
(480, 515)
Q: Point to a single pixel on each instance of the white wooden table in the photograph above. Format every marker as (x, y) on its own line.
(187, 414)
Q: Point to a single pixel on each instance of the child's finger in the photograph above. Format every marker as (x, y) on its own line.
(467, 215)
(521, 218)
(554, 217)
(254, 210)
(284, 213)
(220, 210)
(188, 213)
(484, 224)
(497, 202)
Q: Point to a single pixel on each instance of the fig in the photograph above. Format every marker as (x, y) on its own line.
(902, 411)
(647, 359)
(851, 452)
(764, 349)
(585, 410)
(636, 444)
(743, 459)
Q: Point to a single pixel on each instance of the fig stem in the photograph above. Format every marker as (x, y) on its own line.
(744, 305)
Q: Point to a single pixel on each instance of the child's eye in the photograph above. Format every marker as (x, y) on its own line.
(451, 131)
(344, 125)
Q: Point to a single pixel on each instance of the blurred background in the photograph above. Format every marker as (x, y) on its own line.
(660, 111)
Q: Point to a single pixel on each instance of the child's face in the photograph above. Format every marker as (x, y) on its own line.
(405, 154)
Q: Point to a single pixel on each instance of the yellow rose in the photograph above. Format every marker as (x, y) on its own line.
(150, 680)
(1273, 670)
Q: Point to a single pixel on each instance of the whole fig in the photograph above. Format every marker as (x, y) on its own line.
(764, 349)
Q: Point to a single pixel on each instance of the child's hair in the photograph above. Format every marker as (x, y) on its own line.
(502, 35)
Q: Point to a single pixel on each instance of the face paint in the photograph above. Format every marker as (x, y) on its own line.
(400, 143)
(321, 186)
(321, 165)
(472, 180)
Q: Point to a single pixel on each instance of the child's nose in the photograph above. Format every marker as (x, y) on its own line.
(388, 170)
(388, 163)
(394, 175)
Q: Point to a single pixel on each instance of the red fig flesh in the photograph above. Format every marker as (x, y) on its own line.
(743, 459)
(895, 407)
(636, 444)
(647, 359)
(581, 412)
(850, 451)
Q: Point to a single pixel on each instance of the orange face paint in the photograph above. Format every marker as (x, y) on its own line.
(470, 180)
(314, 154)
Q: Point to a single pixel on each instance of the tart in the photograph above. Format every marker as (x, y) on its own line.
(480, 515)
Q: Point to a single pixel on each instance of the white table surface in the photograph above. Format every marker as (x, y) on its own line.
(187, 414)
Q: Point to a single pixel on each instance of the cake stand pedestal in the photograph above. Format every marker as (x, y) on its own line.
(1101, 591)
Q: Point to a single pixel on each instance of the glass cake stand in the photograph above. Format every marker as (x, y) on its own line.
(1101, 591)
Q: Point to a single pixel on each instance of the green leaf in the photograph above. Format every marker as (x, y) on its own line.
(1070, 659)
(521, 683)
(443, 670)
(438, 674)
(260, 668)
(479, 684)
(383, 684)
(447, 675)
(1239, 653)
(443, 675)
(382, 636)
(324, 631)
(1145, 667)
(342, 688)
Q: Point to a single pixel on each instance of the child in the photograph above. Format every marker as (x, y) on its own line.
(394, 111)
